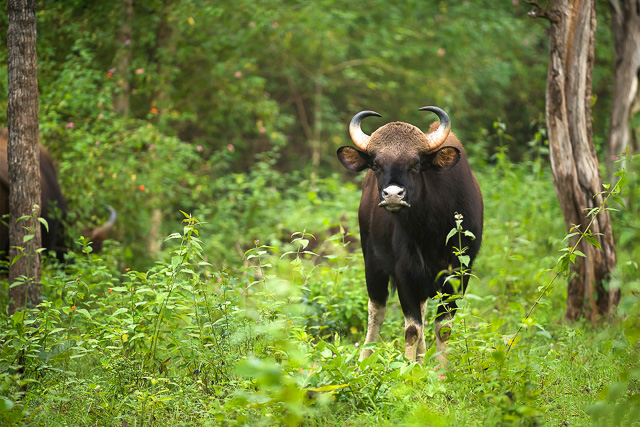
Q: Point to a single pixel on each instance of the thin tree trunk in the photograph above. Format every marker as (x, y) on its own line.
(121, 105)
(23, 153)
(164, 54)
(576, 174)
(164, 57)
(625, 25)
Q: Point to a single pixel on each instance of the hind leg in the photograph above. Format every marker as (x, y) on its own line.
(444, 320)
(443, 327)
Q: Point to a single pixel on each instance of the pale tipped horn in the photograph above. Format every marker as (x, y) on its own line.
(360, 138)
(437, 138)
(101, 233)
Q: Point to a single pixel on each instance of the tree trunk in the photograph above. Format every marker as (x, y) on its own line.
(23, 151)
(576, 174)
(121, 104)
(164, 57)
(166, 45)
(625, 25)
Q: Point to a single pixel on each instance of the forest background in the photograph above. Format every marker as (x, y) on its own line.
(233, 113)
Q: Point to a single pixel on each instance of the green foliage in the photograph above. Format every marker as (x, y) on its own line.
(253, 74)
(274, 338)
(254, 313)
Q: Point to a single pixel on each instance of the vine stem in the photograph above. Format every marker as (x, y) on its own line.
(558, 272)
(184, 245)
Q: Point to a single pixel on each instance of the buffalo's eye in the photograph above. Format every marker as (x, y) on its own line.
(416, 168)
(376, 167)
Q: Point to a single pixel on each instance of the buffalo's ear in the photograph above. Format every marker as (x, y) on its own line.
(353, 159)
(443, 159)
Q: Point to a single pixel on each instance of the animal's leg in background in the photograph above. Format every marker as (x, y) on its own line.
(374, 323)
(443, 327)
(421, 349)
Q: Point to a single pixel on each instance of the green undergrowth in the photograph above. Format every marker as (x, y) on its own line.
(272, 335)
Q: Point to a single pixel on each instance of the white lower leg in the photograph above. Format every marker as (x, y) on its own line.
(443, 331)
(415, 346)
(414, 340)
(421, 349)
(374, 324)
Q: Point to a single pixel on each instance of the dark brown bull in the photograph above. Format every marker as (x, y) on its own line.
(53, 205)
(415, 185)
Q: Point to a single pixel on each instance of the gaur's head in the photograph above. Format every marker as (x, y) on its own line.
(400, 155)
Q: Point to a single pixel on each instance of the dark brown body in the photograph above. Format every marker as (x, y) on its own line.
(409, 246)
(415, 186)
(53, 205)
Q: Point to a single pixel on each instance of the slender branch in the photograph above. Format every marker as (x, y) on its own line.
(302, 112)
(558, 272)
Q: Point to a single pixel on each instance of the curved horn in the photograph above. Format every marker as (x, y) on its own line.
(101, 233)
(437, 138)
(360, 138)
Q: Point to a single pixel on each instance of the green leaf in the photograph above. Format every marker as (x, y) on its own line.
(593, 241)
(18, 317)
(510, 339)
(618, 200)
(13, 261)
(499, 355)
(84, 312)
(497, 323)
(120, 310)
(563, 263)
(45, 223)
(450, 235)
(175, 262)
(5, 404)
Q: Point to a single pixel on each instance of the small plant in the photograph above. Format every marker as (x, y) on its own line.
(258, 253)
(301, 240)
(570, 253)
(190, 246)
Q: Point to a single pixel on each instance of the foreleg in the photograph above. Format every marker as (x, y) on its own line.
(374, 324)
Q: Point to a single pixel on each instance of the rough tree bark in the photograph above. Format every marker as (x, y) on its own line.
(574, 165)
(625, 25)
(22, 150)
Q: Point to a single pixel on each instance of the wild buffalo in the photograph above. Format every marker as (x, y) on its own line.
(415, 185)
(53, 204)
